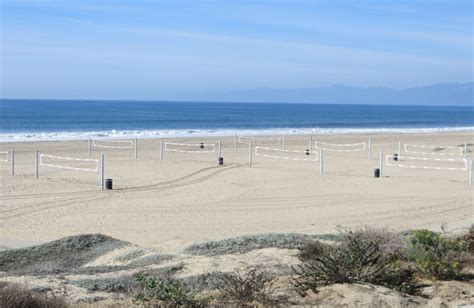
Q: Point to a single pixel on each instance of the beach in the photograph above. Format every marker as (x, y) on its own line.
(188, 198)
(236, 154)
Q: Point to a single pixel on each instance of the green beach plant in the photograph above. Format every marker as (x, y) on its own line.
(166, 292)
(436, 256)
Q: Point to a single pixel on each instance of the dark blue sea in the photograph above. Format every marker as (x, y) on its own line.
(69, 119)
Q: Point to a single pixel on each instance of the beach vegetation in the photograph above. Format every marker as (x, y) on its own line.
(436, 255)
(165, 292)
(243, 244)
(362, 256)
(246, 287)
(19, 296)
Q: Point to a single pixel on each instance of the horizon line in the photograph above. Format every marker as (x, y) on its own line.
(224, 101)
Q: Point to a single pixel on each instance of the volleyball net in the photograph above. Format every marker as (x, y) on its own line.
(340, 147)
(190, 147)
(434, 163)
(4, 156)
(69, 163)
(296, 155)
(114, 144)
(260, 140)
(433, 150)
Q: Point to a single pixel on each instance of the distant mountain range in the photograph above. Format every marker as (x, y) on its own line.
(448, 94)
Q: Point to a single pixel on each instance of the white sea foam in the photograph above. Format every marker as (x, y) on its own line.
(183, 133)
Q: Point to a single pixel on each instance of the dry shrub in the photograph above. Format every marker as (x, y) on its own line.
(363, 256)
(17, 296)
(245, 288)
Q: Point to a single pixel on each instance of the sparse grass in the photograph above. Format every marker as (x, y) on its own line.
(363, 256)
(57, 257)
(124, 284)
(204, 282)
(69, 255)
(170, 292)
(110, 285)
(17, 296)
(130, 256)
(437, 256)
(245, 288)
(245, 244)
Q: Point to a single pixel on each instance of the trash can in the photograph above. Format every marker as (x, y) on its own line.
(307, 152)
(376, 173)
(221, 161)
(202, 145)
(108, 184)
(395, 156)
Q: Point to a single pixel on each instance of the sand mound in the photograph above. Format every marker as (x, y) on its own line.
(58, 256)
(442, 294)
(357, 295)
(244, 244)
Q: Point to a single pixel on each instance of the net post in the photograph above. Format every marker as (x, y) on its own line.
(465, 151)
(90, 146)
(136, 147)
(36, 164)
(162, 149)
(470, 173)
(102, 173)
(13, 161)
(311, 144)
(399, 149)
(250, 154)
(219, 153)
(283, 142)
(235, 142)
(370, 148)
(321, 162)
(381, 163)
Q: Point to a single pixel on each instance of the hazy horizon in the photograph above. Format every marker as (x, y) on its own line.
(201, 51)
(453, 94)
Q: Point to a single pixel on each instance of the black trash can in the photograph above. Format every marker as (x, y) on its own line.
(108, 184)
(395, 156)
(221, 161)
(376, 173)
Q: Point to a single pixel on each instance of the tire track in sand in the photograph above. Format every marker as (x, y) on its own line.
(178, 182)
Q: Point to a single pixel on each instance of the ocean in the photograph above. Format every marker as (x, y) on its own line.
(69, 119)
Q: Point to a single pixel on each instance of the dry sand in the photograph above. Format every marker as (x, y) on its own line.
(187, 198)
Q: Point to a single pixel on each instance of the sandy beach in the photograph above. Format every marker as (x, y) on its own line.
(188, 198)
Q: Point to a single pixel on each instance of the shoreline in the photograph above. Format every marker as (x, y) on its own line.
(216, 133)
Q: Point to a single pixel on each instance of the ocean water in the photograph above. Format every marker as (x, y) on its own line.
(66, 119)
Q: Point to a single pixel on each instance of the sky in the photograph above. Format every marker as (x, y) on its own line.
(174, 50)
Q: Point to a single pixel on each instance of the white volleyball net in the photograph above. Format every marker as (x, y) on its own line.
(113, 143)
(4, 156)
(297, 155)
(434, 163)
(190, 147)
(420, 149)
(69, 163)
(340, 147)
(260, 140)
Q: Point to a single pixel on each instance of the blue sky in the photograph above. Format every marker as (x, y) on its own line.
(176, 49)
